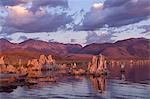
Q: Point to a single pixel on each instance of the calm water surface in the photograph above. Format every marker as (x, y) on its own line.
(134, 83)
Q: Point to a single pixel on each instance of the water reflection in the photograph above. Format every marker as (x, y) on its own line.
(131, 84)
(98, 83)
(133, 73)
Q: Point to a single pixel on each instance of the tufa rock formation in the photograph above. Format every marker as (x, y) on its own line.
(42, 59)
(38, 64)
(2, 60)
(97, 65)
(50, 60)
(35, 65)
(11, 69)
(92, 67)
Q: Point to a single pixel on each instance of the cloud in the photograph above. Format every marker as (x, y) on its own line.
(36, 38)
(103, 37)
(21, 19)
(115, 13)
(73, 40)
(13, 2)
(98, 5)
(23, 38)
(146, 29)
(51, 40)
(36, 4)
(8, 38)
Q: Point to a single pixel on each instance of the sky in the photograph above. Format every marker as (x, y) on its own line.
(74, 21)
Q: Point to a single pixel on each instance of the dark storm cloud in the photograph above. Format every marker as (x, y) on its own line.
(93, 37)
(116, 13)
(45, 23)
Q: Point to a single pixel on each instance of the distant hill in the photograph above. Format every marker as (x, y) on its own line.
(137, 48)
(39, 46)
(129, 48)
(30, 49)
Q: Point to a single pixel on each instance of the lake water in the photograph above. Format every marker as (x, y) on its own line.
(134, 83)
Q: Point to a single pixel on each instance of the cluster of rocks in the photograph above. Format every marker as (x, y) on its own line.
(37, 64)
(74, 70)
(71, 69)
(32, 65)
(128, 62)
(97, 65)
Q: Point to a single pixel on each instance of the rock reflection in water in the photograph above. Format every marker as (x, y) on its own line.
(98, 83)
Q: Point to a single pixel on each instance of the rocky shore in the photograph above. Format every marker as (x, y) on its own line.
(97, 66)
(33, 71)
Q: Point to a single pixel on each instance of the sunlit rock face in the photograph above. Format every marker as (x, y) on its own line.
(97, 65)
(20, 62)
(11, 69)
(93, 65)
(34, 74)
(6, 69)
(35, 65)
(74, 65)
(101, 63)
(2, 60)
(22, 70)
(42, 59)
(50, 60)
(29, 62)
(62, 66)
(34, 62)
(78, 72)
(42, 63)
(3, 69)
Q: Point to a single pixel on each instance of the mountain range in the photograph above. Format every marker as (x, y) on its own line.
(133, 48)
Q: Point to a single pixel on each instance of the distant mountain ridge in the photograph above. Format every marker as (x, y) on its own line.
(129, 48)
(39, 46)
